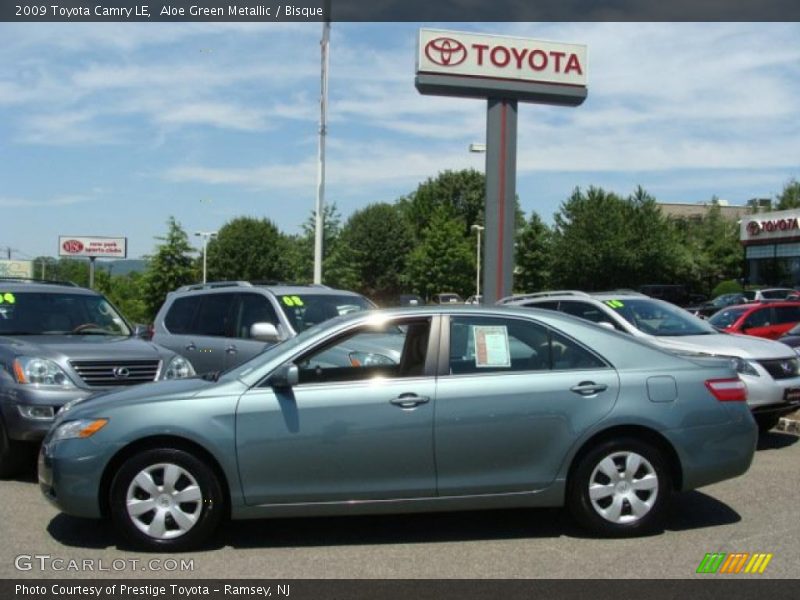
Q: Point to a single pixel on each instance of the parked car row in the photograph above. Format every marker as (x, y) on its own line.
(309, 402)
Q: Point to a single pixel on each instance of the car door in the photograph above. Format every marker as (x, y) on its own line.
(357, 426)
(759, 322)
(507, 413)
(250, 308)
(786, 317)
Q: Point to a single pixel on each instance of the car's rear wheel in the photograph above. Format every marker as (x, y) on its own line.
(766, 422)
(620, 488)
(166, 500)
(13, 454)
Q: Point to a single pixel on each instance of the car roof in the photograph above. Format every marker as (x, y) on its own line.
(751, 306)
(279, 289)
(47, 287)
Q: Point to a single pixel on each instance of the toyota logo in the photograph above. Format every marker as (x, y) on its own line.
(122, 372)
(446, 52)
(753, 228)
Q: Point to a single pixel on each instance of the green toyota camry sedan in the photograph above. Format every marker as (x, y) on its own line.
(420, 409)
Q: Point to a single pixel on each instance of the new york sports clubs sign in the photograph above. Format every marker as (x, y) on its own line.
(479, 59)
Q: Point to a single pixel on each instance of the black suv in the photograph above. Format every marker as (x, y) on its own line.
(219, 325)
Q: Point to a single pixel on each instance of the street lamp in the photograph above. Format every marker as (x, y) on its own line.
(477, 148)
(206, 235)
(478, 229)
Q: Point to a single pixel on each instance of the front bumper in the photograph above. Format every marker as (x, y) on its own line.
(69, 476)
(34, 430)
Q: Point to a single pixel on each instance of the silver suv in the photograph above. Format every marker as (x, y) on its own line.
(770, 370)
(58, 343)
(220, 325)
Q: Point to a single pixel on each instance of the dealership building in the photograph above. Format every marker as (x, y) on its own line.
(772, 247)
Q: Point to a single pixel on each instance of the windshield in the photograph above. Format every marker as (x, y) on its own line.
(40, 313)
(307, 310)
(727, 317)
(659, 318)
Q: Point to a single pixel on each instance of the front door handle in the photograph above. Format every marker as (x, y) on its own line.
(588, 388)
(409, 400)
(190, 347)
(231, 349)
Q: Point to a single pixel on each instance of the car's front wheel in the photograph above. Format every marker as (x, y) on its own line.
(165, 500)
(620, 488)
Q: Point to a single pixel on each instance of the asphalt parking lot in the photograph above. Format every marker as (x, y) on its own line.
(754, 513)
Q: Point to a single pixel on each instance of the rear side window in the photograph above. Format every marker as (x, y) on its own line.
(487, 345)
(203, 314)
(787, 314)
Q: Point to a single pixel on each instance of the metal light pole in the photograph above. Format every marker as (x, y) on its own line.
(206, 235)
(323, 118)
(478, 229)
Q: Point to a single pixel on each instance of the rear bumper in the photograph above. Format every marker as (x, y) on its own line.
(714, 453)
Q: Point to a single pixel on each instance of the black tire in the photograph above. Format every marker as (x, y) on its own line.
(14, 455)
(627, 523)
(766, 422)
(206, 512)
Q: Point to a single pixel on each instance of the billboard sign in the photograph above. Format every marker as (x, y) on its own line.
(93, 247)
(766, 227)
(474, 64)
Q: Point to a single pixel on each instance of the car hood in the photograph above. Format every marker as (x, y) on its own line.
(158, 391)
(724, 344)
(83, 347)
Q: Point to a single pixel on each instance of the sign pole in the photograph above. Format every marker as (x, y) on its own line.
(501, 177)
(91, 272)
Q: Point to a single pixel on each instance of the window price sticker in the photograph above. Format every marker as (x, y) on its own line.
(491, 346)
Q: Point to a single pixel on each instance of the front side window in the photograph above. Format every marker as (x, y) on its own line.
(252, 309)
(491, 344)
(306, 310)
(390, 349)
(758, 318)
(32, 313)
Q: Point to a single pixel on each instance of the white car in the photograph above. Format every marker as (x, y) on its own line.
(770, 370)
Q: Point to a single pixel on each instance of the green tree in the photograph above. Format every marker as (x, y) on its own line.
(169, 268)
(532, 256)
(460, 193)
(125, 292)
(372, 252)
(602, 241)
(300, 248)
(443, 260)
(790, 196)
(247, 248)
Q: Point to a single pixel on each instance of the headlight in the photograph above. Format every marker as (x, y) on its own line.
(797, 349)
(82, 428)
(744, 367)
(369, 359)
(178, 368)
(37, 412)
(40, 371)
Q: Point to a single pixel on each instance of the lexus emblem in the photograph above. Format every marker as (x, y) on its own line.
(122, 372)
(446, 52)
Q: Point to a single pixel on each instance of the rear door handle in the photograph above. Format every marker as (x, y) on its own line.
(409, 400)
(190, 347)
(231, 349)
(588, 388)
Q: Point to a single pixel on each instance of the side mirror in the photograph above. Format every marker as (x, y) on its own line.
(285, 377)
(264, 332)
(607, 325)
(144, 332)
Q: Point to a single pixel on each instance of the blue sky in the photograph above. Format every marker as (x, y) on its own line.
(110, 128)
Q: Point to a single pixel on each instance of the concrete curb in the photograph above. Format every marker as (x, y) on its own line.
(788, 425)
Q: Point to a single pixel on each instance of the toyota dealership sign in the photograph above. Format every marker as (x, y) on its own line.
(92, 247)
(470, 64)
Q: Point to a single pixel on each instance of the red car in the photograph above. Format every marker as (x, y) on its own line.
(768, 320)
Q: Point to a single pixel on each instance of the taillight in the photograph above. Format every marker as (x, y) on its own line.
(728, 390)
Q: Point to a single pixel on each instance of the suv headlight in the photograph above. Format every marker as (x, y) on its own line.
(82, 428)
(744, 367)
(40, 371)
(179, 368)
